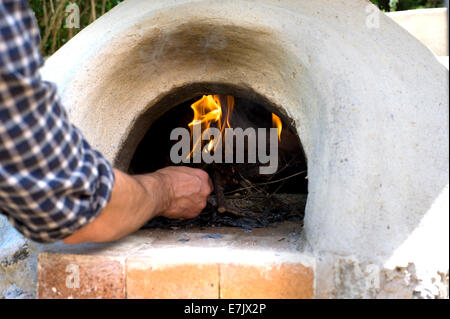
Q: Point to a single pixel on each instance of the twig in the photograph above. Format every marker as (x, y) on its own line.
(278, 188)
(52, 27)
(250, 184)
(44, 8)
(212, 200)
(56, 31)
(291, 161)
(220, 202)
(235, 211)
(281, 179)
(267, 183)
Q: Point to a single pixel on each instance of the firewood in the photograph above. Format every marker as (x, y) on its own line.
(218, 188)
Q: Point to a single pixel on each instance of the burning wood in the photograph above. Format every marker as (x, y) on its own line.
(218, 188)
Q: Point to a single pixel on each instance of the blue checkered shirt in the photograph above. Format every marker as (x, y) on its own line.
(52, 182)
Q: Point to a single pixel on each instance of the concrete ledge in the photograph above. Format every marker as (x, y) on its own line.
(213, 263)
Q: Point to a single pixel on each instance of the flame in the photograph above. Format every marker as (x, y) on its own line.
(208, 113)
(276, 122)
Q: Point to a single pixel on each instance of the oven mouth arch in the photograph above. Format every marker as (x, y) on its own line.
(185, 93)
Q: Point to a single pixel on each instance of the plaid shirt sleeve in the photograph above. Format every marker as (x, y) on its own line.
(52, 182)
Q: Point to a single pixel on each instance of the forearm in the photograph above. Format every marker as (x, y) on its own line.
(130, 207)
(53, 184)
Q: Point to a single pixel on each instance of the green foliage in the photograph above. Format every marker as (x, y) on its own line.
(397, 5)
(51, 16)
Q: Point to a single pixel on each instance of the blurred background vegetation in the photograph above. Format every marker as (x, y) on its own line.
(51, 16)
(398, 5)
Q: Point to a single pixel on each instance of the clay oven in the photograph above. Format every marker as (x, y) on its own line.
(369, 104)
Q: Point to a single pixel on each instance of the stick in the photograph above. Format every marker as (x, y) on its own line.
(218, 187)
(44, 8)
(260, 184)
(228, 209)
(52, 22)
(222, 206)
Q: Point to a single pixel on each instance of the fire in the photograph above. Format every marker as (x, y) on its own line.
(208, 113)
(276, 122)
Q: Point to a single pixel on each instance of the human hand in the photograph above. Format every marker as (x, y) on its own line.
(184, 191)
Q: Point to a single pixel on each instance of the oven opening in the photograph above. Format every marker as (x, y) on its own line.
(250, 150)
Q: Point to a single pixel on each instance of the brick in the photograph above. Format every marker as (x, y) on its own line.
(80, 276)
(147, 280)
(281, 281)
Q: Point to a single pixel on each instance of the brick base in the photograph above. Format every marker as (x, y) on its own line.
(147, 265)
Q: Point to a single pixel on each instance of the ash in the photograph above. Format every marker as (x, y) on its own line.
(250, 211)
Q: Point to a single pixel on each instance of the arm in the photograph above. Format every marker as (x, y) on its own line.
(174, 192)
(53, 184)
